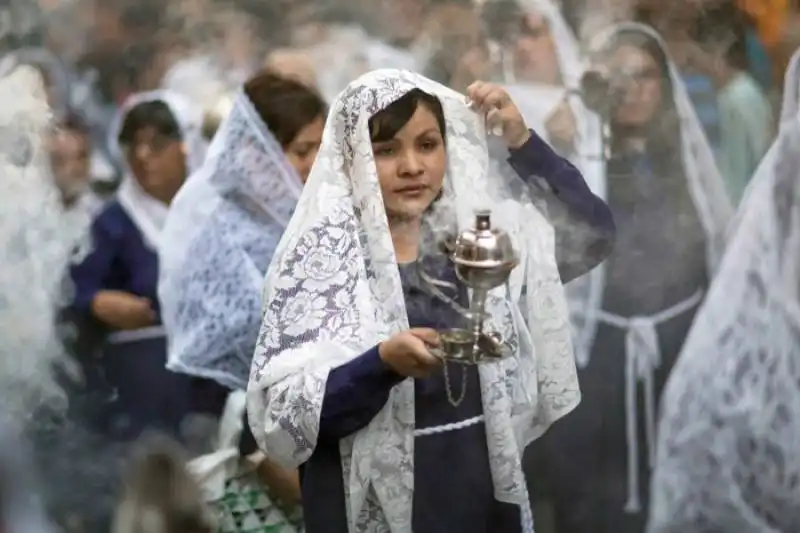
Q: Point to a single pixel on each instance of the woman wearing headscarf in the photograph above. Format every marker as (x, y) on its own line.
(348, 319)
(218, 241)
(158, 137)
(727, 450)
(671, 207)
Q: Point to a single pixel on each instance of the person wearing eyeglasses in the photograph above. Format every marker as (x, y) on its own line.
(115, 277)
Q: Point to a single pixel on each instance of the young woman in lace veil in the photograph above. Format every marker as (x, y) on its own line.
(220, 234)
(727, 452)
(403, 157)
(671, 208)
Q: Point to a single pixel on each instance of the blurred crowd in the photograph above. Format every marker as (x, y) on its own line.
(95, 54)
(109, 68)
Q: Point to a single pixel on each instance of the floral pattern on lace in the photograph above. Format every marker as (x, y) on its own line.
(727, 458)
(217, 244)
(333, 291)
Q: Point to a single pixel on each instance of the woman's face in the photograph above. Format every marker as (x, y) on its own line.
(70, 158)
(158, 163)
(411, 166)
(640, 76)
(535, 58)
(302, 151)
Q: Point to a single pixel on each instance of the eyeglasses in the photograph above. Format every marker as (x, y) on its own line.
(155, 144)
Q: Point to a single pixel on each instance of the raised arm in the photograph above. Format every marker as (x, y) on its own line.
(584, 225)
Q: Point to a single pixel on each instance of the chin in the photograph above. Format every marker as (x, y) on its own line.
(407, 210)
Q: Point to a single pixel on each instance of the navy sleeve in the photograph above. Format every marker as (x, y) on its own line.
(89, 276)
(355, 392)
(584, 225)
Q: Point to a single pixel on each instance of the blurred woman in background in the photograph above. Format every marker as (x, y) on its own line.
(727, 454)
(158, 137)
(218, 241)
(671, 209)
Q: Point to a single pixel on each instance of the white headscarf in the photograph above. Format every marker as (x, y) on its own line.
(589, 156)
(728, 458)
(333, 291)
(146, 212)
(58, 77)
(222, 229)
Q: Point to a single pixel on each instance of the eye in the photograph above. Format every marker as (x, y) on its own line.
(428, 145)
(383, 151)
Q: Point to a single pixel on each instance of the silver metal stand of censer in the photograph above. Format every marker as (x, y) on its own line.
(483, 258)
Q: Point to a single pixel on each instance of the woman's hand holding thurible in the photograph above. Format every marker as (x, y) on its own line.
(408, 352)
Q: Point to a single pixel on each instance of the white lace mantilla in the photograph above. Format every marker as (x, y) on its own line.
(218, 240)
(333, 291)
(727, 450)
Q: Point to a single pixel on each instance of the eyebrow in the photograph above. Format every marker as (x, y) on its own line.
(430, 130)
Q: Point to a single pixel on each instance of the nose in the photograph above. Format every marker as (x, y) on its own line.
(410, 165)
(142, 152)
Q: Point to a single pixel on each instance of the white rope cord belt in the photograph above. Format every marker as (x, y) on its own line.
(448, 427)
(642, 358)
(134, 335)
(526, 514)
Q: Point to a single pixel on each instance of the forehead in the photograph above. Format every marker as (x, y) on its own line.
(535, 20)
(311, 132)
(632, 57)
(70, 139)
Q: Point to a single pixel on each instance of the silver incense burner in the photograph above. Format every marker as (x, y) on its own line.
(483, 258)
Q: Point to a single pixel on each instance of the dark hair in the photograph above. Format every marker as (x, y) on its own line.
(72, 121)
(502, 17)
(155, 114)
(724, 25)
(286, 106)
(385, 124)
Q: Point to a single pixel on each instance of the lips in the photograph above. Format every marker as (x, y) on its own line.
(412, 189)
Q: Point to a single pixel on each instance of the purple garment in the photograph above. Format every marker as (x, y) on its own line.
(139, 391)
(453, 488)
(119, 260)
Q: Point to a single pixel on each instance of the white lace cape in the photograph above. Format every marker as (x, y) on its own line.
(146, 212)
(333, 291)
(727, 453)
(220, 233)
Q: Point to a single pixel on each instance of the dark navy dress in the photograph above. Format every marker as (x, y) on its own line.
(659, 262)
(453, 485)
(128, 366)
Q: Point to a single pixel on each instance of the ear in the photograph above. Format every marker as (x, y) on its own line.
(184, 149)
